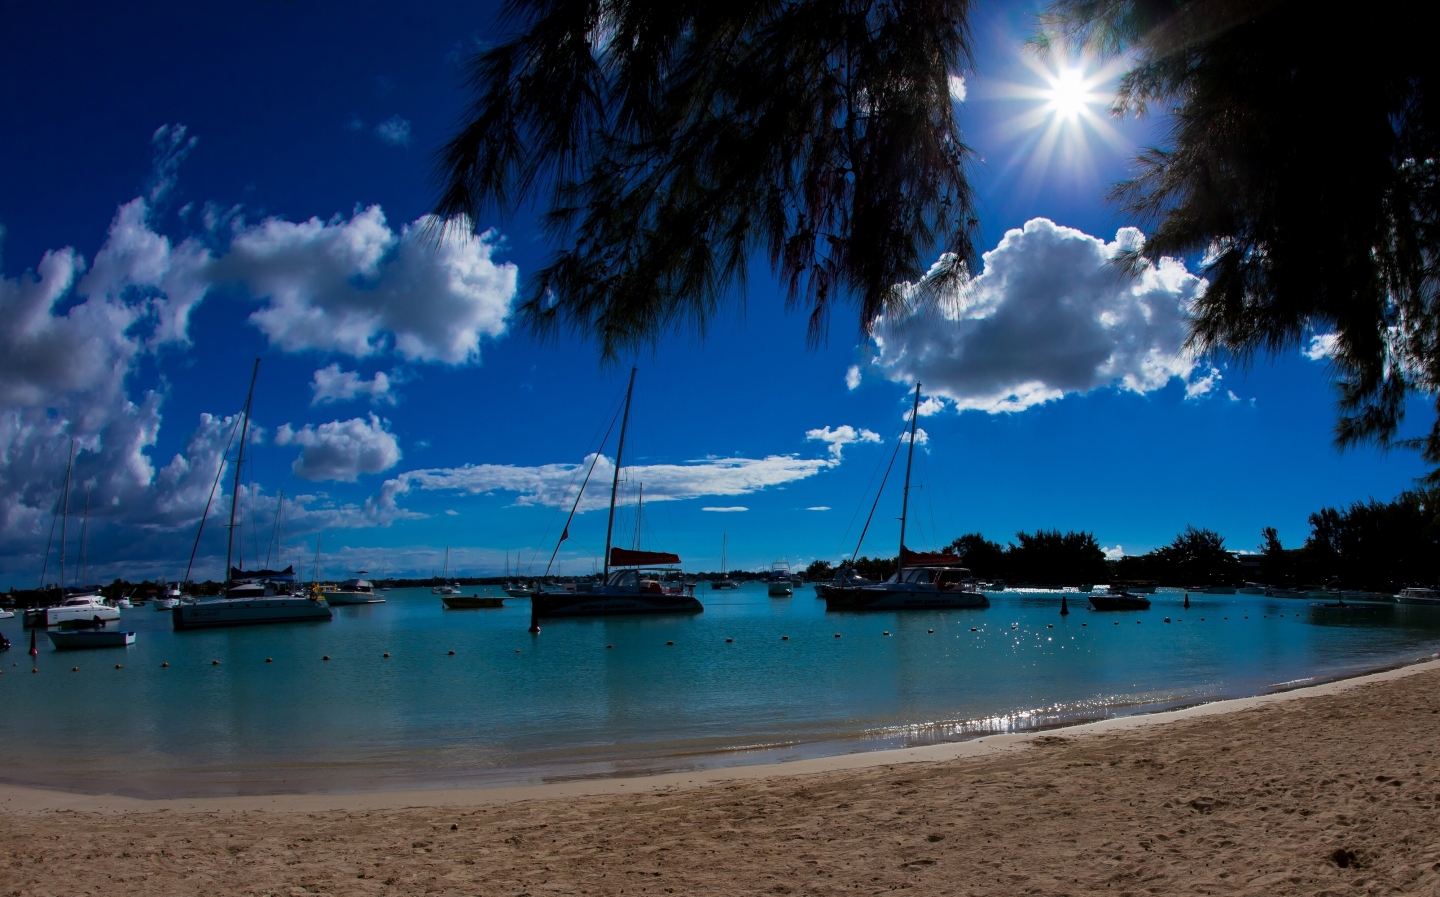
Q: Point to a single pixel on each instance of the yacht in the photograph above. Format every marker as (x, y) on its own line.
(641, 582)
(922, 580)
(354, 591)
(1419, 596)
(510, 588)
(169, 600)
(781, 585)
(88, 607)
(724, 582)
(446, 587)
(261, 596)
(845, 578)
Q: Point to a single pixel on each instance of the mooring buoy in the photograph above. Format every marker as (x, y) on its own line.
(1064, 607)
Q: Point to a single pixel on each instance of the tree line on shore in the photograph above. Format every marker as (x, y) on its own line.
(1371, 546)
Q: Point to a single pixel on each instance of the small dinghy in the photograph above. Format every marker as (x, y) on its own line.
(1118, 601)
(90, 638)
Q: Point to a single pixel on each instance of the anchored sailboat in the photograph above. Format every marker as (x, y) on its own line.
(642, 582)
(724, 582)
(922, 580)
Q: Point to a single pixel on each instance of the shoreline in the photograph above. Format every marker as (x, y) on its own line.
(27, 799)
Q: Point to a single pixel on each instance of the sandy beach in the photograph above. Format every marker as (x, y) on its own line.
(1330, 789)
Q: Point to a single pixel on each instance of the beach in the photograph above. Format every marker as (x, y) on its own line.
(1328, 789)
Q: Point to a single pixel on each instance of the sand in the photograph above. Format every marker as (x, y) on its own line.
(1332, 790)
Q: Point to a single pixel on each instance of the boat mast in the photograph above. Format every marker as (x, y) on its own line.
(64, 513)
(639, 507)
(239, 461)
(909, 460)
(615, 483)
(724, 540)
(84, 532)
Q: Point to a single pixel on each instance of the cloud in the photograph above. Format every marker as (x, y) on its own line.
(1321, 346)
(358, 288)
(957, 88)
(852, 377)
(1050, 315)
(921, 437)
(1114, 554)
(819, 508)
(451, 512)
(840, 437)
(730, 510)
(394, 131)
(330, 384)
(341, 450)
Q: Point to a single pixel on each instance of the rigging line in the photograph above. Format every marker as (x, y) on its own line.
(849, 527)
(274, 529)
(565, 533)
(878, 493)
(545, 535)
(46, 568)
(219, 469)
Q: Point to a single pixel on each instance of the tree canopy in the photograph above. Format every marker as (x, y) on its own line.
(672, 141)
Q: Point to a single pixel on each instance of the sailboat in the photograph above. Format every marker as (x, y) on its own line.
(632, 581)
(256, 596)
(510, 588)
(724, 582)
(446, 587)
(922, 580)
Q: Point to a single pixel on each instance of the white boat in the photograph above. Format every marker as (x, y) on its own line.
(7, 614)
(922, 581)
(90, 638)
(781, 584)
(510, 588)
(89, 607)
(724, 582)
(1415, 595)
(354, 591)
(446, 587)
(845, 578)
(652, 584)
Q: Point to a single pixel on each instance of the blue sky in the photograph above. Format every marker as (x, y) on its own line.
(406, 411)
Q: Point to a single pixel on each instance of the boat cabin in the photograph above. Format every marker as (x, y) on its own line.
(941, 577)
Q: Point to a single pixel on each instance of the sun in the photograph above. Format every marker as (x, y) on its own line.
(1069, 93)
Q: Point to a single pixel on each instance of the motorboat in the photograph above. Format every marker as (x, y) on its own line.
(90, 638)
(514, 591)
(169, 600)
(643, 582)
(470, 602)
(354, 591)
(922, 580)
(780, 584)
(90, 607)
(1252, 588)
(1415, 595)
(7, 614)
(1120, 600)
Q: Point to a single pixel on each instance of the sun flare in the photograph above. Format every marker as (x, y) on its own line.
(1069, 93)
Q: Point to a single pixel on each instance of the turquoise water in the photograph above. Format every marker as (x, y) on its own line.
(508, 707)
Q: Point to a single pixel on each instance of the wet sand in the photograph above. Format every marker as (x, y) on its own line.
(1319, 791)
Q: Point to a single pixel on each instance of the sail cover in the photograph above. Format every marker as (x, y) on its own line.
(624, 557)
(286, 575)
(910, 558)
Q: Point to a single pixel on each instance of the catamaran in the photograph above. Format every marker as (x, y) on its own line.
(642, 582)
(922, 580)
(260, 596)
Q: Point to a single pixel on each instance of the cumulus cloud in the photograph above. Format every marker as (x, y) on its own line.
(1114, 554)
(341, 449)
(357, 287)
(1050, 315)
(729, 510)
(852, 377)
(330, 384)
(840, 437)
(958, 89)
(394, 131)
(1321, 346)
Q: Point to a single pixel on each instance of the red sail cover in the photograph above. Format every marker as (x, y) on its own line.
(910, 558)
(624, 557)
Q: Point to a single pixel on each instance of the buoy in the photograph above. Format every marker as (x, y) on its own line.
(931, 631)
(517, 650)
(74, 669)
(326, 657)
(269, 660)
(35, 671)
(165, 664)
(1084, 624)
(452, 653)
(214, 663)
(1064, 607)
(973, 629)
(729, 641)
(837, 635)
(34, 651)
(885, 633)
(117, 666)
(1137, 622)
(1167, 620)
(784, 638)
(669, 643)
(1117, 622)
(1187, 600)
(609, 646)
(1049, 625)
(387, 653)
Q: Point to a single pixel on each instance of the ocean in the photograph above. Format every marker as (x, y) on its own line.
(608, 697)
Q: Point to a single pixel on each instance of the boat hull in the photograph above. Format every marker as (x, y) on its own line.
(1119, 602)
(250, 612)
(54, 616)
(1420, 601)
(339, 599)
(469, 602)
(518, 593)
(602, 604)
(93, 638)
(873, 598)
(781, 590)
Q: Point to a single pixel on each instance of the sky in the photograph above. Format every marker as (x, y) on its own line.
(188, 189)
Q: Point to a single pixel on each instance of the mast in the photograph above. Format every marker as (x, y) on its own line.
(615, 483)
(64, 513)
(909, 460)
(84, 532)
(639, 507)
(239, 461)
(724, 540)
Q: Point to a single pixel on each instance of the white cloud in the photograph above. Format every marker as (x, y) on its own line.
(852, 377)
(330, 384)
(840, 437)
(394, 131)
(1049, 315)
(451, 512)
(819, 508)
(341, 450)
(1200, 386)
(921, 437)
(1114, 554)
(1322, 346)
(928, 406)
(957, 88)
(730, 510)
(358, 288)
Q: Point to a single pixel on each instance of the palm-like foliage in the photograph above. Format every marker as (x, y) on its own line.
(672, 140)
(1302, 162)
